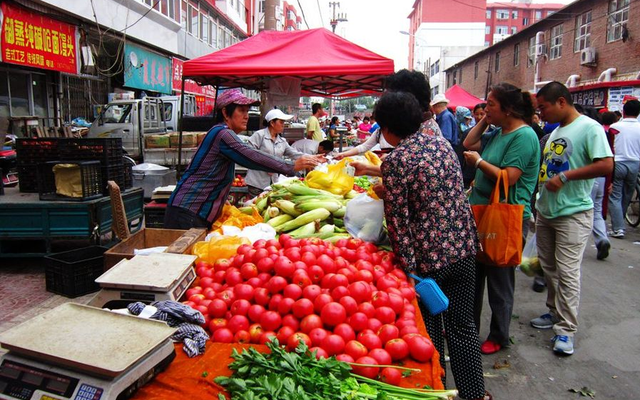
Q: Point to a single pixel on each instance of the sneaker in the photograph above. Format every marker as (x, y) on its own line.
(490, 347)
(603, 250)
(539, 284)
(618, 234)
(563, 344)
(545, 321)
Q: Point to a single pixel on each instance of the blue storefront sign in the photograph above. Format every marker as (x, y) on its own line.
(146, 70)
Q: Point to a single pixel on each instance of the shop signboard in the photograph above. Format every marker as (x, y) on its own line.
(33, 40)
(205, 95)
(591, 98)
(616, 94)
(146, 70)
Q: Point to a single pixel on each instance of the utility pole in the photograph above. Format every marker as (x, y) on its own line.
(340, 18)
(270, 23)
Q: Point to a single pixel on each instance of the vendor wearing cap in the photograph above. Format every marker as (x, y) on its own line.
(270, 141)
(445, 119)
(198, 198)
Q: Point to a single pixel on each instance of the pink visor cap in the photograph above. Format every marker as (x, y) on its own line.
(235, 96)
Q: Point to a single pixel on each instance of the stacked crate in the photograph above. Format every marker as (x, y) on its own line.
(30, 153)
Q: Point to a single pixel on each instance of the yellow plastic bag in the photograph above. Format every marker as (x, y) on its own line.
(231, 216)
(68, 180)
(373, 158)
(218, 247)
(336, 180)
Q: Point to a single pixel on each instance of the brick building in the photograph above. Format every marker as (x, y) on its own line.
(506, 19)
(588, 44)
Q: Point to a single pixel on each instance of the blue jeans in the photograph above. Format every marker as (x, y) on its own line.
(599, 226)
(624, 180)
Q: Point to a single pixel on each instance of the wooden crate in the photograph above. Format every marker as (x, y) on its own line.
(178, 241)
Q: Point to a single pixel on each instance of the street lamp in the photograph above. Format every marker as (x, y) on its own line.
(416, 38)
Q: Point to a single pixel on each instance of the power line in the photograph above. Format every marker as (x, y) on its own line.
(303, 16)
(320, 12)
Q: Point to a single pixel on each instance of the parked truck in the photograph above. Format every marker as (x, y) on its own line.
(136, 120)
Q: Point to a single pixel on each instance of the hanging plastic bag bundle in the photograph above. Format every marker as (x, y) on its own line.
(364, 217)
(338, 179)
(530, 264)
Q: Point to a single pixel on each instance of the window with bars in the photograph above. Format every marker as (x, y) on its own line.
(502, 30)
(475, 70)
(497, 61)
(617, 19)
(514, 14)
(514, 29)
(488, 14)
(538, 15)
(516, 54)
(582, 32)
(556, 42)
(532, 51)
(502, 14)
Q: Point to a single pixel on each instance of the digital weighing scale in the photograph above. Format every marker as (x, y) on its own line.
(163, 276)
(82, 353)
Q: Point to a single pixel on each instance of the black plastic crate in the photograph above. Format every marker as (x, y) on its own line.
(106, 150)
(36, 151)
(73, 273)
(28, 178)
(113, 173)
(90, 177)
(154, 217)
(128, 176)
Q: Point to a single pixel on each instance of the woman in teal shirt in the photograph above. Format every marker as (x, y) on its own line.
(510, 145)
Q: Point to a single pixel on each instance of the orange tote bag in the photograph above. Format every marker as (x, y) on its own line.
(499, 228)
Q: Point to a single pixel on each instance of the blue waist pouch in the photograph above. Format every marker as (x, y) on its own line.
(431, 295)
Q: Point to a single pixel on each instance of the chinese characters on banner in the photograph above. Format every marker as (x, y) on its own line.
(590, 98)
(36, 41)
(146, 70)
(205, 95)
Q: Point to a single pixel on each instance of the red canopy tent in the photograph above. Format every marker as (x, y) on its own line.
(457, 96)
(325, 63)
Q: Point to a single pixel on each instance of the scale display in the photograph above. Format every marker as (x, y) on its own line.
(21, 381)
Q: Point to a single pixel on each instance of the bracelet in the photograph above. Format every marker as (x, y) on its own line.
(563, 178)
(478, 162)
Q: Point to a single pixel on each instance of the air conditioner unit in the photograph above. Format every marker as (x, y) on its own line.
(588, 56)
(541, 49)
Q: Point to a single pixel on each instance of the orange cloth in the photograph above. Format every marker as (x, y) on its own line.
(183, 378)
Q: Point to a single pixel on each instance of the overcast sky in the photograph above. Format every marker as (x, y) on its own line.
(373, 24)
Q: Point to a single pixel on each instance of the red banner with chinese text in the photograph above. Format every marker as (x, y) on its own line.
(36, 41)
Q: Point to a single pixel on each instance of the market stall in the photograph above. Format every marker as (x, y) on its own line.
(457, 96)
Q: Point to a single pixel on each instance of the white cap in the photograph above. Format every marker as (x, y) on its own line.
(439, 98)
(277, 114)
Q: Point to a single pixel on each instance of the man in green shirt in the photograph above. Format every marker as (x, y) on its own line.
(314, 131)
(575, 153)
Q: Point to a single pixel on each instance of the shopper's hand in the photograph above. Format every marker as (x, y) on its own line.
(554, 184)
(471, 157)
(365, 168)
(338, 156)
(380, 190)
(307, 162)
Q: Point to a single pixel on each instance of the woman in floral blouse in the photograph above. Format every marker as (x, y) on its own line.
(432, 230)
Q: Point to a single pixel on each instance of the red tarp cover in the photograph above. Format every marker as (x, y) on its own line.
(459, 97)
(326, 64)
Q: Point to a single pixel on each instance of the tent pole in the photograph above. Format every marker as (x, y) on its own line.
(179, 166)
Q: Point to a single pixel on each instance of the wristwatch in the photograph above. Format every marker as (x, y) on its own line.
(563, 178)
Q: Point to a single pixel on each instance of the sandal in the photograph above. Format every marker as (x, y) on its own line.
(489, 347)
(487, 396)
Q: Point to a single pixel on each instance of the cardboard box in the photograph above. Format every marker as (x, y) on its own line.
(179, 241)
(201, 136)
(188, 139)
(157, 141)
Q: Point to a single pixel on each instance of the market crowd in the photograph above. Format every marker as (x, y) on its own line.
(556, 160)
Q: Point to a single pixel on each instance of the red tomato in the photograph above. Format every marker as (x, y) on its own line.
(301, 278)
(308, 257)
(222, 264)
(233, 277)
(291, 321)
(333, 314)
(284, 307)
(255, 282)
(367, 309)
(261, 296)
(321, 301)
(392, 376)
(398, 349)
(255, 312)
(240, 307)
(333, 344)
(316, 273)
(317, 335)
(420, 348)
(242, 336)
(284, 267)
(265, 264)
(266, 337)
(223, 335)
(276, 284)
(364, 275)
(311, 292)
(238, 323)
(270, 320)
(409, 329)
(349, 304)
(248, 271)
(284, 333)
(243, 291)
(355, 349)
(220, 276)
(402, 322)
(310, 322)
(326, 263)
(374, 324)
(194, 290)
(217, 308)
(370, 340)
(227, 296)
(396, 302)
(381, 356)
(302, 308)
(295, 339)
(260, 243)
(385, 315)
(345, 331)
(367, 372)
(345, 358)
(358, 321)
(217, 323)
(388, 332)
(319, 352)
(339, 292)
(380, 299)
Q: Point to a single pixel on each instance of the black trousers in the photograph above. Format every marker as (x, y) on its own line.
(181, 218)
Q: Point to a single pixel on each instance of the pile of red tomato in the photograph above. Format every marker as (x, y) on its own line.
(347, 300)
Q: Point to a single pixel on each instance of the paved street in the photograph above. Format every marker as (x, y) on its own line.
(607, 358)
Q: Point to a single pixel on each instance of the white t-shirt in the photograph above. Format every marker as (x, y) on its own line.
(627, 140)
(307, 146)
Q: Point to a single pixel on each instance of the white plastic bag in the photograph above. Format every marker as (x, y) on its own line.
(363, 218)
(530, 264)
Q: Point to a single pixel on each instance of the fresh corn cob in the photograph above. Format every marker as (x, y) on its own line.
(304, 231)
(302, 189)
(337, 236)
(340, 212)
(302, 199)
(309, 205)
(246, 210)
(352, 194)
(338, 222)
(284, 184)
(273, 212)
(265, 216)
(318, 214)
(288, 207)
(261, 203)
(280, 220)
(328, 228)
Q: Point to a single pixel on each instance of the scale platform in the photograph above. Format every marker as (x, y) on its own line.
(80, 352)
(150, 278)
